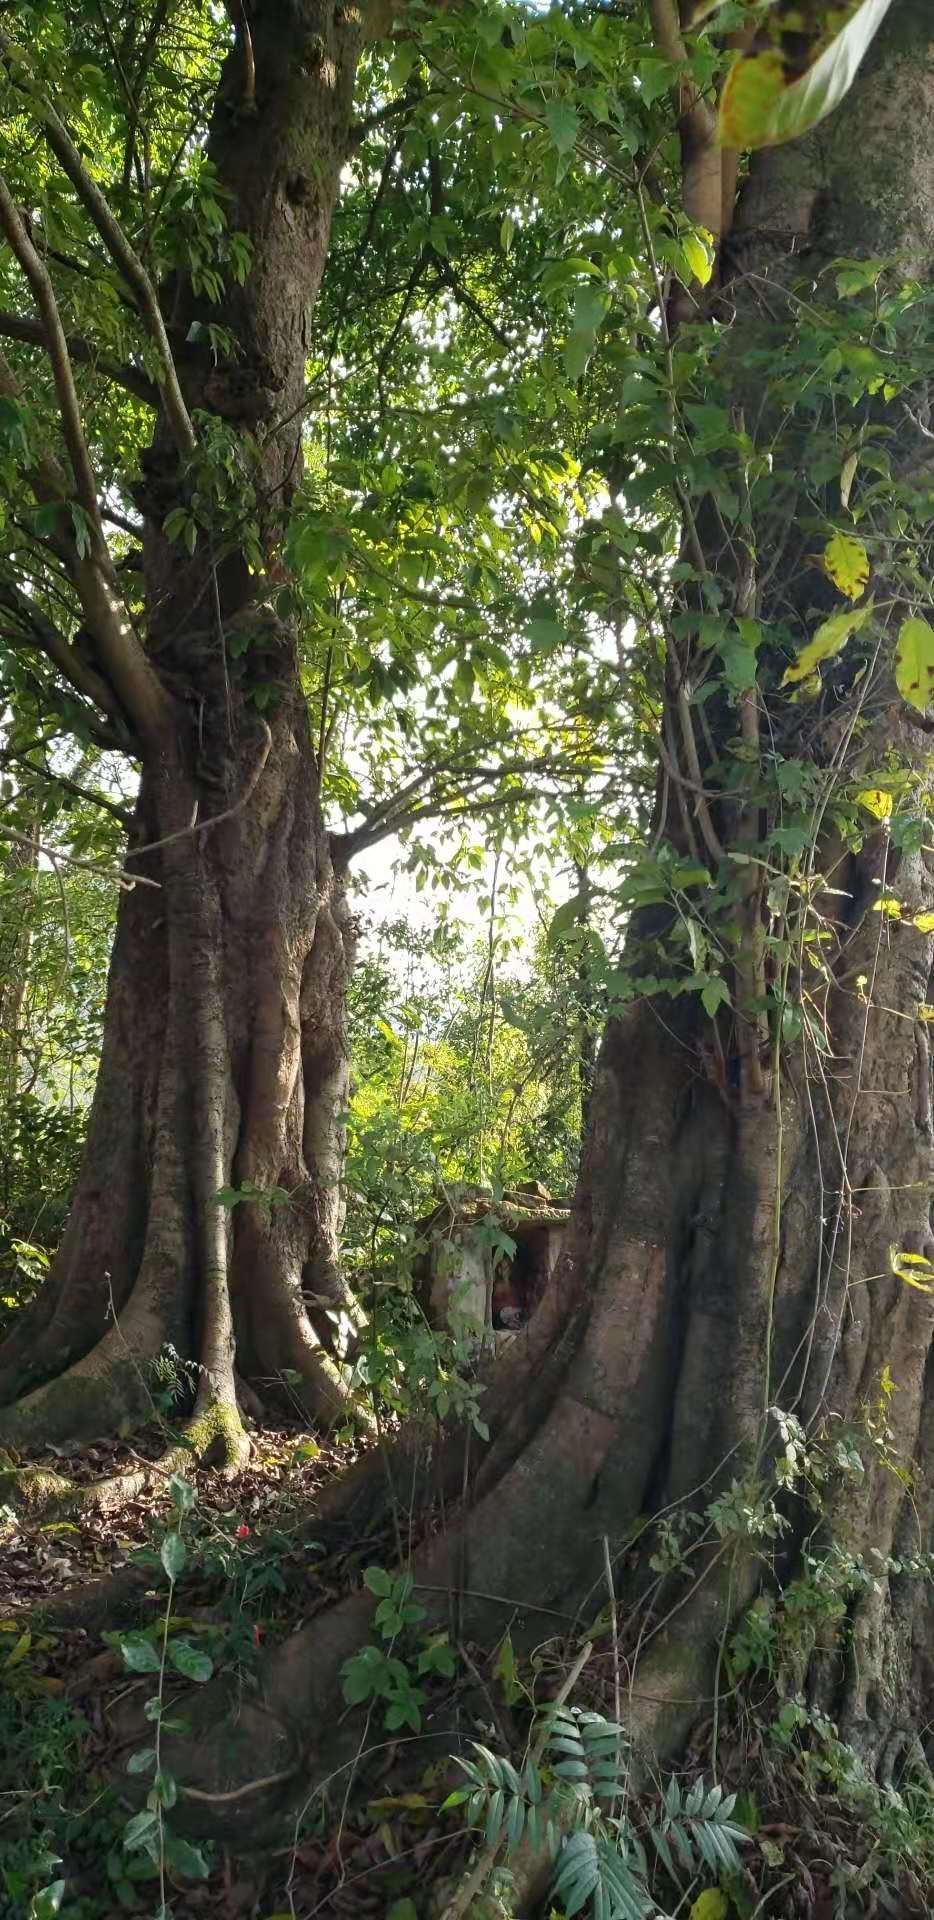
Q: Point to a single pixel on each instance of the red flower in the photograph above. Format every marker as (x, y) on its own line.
(243, 1533)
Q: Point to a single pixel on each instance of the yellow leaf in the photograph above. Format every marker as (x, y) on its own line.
(398, 1803)
(831, 635)
(19, 1652)
(888, 905)
(847, 476)
(750, 98)
(914, 663)
(876, 802)
(901, 1263)
(710, 1905)
(847, 563)
(923, 1011)
(809, 688)
(923, 921)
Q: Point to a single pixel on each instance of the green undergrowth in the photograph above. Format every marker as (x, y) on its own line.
(86, 1834)
(59, 1821)
(768, 1801)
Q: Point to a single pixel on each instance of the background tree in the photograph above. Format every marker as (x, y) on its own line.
(175, 593)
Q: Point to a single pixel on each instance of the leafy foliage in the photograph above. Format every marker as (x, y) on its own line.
(576, 1803)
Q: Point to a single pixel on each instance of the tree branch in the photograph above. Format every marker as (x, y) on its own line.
(89, 562)
(47, 773)
(49, 641)
(465, 297)
(57, 347)
(31, 333)
(117, 244)
(59, 858)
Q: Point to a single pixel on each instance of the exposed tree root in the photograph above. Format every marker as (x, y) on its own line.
(32, 1490)
(214, 1438)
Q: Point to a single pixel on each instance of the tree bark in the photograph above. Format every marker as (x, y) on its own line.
(224, 1060)
(731, 1245)
(15, 945)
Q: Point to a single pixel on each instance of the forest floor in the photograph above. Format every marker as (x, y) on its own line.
(254, 1573)
(257, 1568)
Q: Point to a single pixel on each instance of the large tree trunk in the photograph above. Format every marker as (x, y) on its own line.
(730, 1252)
(224, 1058)
(224, 1063)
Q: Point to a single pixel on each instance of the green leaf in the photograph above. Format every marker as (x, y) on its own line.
(739, 661)
(378, 1581)
(698, 256)
(715, 994)
(142, 1829)
(45, 1905)
(139, 1654)
(546, 634)
(181, 1493)
(402, 62)
(710, 1905)
(914, 663)
(563, 125)
(506, 1671)
(591, 306)
(455, 1799)
(142, 1761)
(190, 1661)
(164, 1789)
(831, 636)
(173, 1555)
(185, 1859)
(854, 276)
(578, 1872)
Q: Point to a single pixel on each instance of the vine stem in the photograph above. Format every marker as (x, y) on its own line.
(614, 1630)
(160, 1812)
(476, 1880)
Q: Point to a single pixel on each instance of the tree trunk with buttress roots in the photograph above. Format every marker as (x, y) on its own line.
(731, 1244)
(224, 1056)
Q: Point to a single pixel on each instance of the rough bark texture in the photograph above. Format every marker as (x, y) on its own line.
(224, 1057)
(730, 1246)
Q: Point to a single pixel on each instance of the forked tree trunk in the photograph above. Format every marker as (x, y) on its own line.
(224, 1057)
(731, 1246)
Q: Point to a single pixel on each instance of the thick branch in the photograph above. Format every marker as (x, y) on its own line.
(39, 631)
(81, 351)
(703, 193)
(125, 666)
(57, 346)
